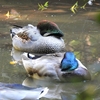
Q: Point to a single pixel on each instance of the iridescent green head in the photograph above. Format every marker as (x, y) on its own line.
(49, 27)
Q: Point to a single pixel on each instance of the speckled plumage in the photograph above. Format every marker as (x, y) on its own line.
(36, 40)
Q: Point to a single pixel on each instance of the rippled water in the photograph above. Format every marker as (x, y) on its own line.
(81, 35)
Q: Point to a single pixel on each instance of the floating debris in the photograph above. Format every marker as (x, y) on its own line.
(13, 62)
(13, 14)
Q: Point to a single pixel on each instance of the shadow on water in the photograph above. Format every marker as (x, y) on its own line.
(81, 35)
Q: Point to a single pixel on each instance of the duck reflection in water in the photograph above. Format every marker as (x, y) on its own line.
(58, 90)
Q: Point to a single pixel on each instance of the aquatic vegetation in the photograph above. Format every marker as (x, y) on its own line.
(75, 7)
(98, 18)
(43, 6)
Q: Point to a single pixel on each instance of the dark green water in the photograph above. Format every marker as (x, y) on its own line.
(81, 35)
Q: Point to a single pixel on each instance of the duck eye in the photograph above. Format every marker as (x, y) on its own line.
(42, 91)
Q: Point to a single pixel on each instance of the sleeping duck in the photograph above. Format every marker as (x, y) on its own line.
(59, 66)
(45, 38)
(20, 92)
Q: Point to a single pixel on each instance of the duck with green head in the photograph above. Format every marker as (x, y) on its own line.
(45, 38)
(59, 66)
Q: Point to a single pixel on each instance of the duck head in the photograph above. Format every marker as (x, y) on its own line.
(48, 28)
(69, 62)
(73, 69)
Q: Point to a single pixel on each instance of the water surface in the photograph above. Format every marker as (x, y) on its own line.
(81, 35)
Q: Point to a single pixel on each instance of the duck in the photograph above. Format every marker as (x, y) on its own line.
(14, 91)
(63, 66)
(44, 38)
